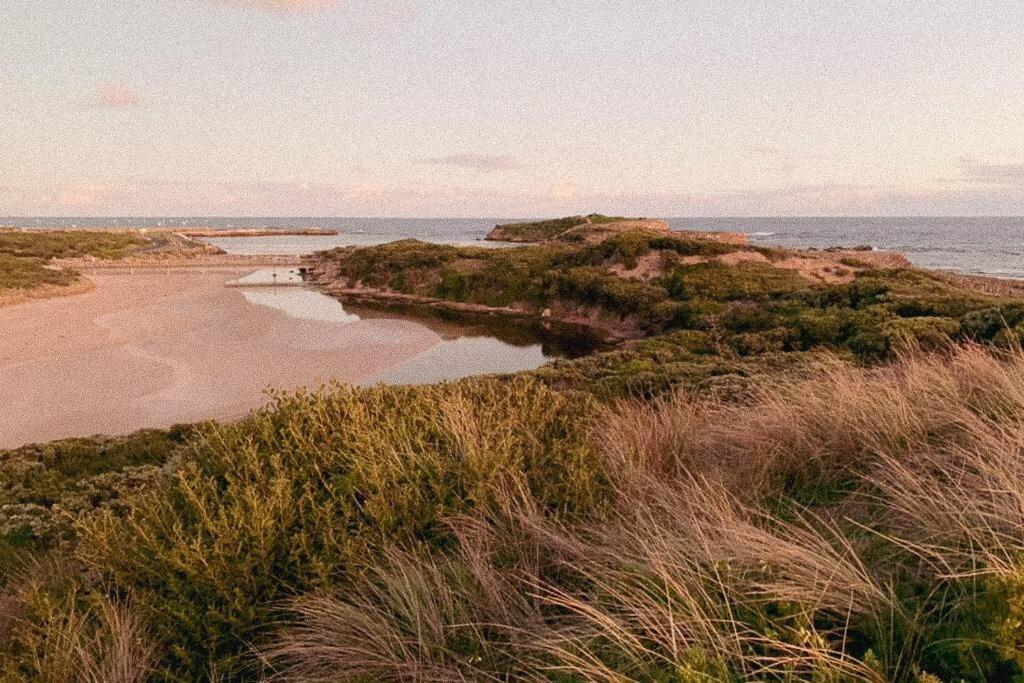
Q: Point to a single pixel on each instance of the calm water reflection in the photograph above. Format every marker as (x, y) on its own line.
(462, 350)
(463, 357)
(301, 303)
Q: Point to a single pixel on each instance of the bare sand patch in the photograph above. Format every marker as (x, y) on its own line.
(150, 349)
(13, 297)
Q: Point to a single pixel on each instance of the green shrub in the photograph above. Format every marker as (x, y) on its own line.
(45, 487)
(298, 495)
(541, 230)
(720, 282)
(26, 273)
(24, 256)
(48, 245)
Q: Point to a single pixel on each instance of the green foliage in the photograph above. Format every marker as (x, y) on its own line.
(719, 282)
(745, 310)
(24, 255)
(298, 495)
(44, 488)
(535, 231)
(48, 245)
(539, 231)
(26, 273)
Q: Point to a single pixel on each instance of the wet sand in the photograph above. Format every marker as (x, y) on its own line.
(150, 349)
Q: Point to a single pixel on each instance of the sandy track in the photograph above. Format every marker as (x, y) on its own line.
(150, 349)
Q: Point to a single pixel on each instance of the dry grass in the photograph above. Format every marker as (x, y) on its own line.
(674, 586)
(67, 635)
(795, 431)
(696, 572)
(656, 589)
(851, 524)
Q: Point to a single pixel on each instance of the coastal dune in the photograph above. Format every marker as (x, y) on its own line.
(151, 349)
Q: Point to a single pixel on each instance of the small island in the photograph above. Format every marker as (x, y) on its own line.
(595, 227)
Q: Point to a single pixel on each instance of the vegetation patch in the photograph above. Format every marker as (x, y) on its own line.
(25, 256)
(539, 231)
(775, 478)
(45, 488)
(305, 493)
(737, 303)
(837, 523)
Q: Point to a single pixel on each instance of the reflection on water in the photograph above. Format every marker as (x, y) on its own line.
(556, 342)
(301, 303)
(300, 245)
(464, 357)
(463, 350)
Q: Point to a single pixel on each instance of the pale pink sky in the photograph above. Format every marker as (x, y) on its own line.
(487, 108)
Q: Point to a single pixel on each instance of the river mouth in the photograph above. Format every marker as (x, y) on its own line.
(555, 340)
(149, 349)
(467, 345)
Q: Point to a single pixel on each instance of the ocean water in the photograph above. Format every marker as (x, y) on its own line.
(987, 245)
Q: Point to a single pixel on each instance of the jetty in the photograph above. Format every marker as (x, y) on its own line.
(187, 232)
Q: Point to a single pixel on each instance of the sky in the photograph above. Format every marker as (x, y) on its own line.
(471, 108)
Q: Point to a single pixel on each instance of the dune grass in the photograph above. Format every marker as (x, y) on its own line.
(715, 564)
(53, 244)
(28, 273)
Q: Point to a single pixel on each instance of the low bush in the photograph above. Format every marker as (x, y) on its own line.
(301, 494)
(44, 488)
(24, 256)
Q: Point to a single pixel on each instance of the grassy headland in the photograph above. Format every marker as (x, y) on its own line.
(794, 466)
(539, 231)
(25, 257)
(674, 303)
(595, 227)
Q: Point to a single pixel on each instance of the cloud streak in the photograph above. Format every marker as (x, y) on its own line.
(1007, 173)
(283, 6)
(148, 197)
(117, 96)
(478, 162)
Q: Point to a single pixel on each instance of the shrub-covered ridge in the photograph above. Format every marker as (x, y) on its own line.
(732, 303)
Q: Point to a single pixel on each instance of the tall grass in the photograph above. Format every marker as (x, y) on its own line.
(303, 495)
(64, 633)
(847, 524)
(898, 486)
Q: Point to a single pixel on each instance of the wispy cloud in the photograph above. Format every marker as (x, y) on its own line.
(117, 96)
(479, 162)
(764, 151)
(149, 197)
(283, 6)
(1011, 173)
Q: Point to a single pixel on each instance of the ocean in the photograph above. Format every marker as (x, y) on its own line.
(987, 245)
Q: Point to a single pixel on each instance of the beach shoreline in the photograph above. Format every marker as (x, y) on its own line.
(151, 348)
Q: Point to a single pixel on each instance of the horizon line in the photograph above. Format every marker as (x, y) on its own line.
(495, 217)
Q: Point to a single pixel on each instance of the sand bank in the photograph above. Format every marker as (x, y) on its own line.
(149, 349)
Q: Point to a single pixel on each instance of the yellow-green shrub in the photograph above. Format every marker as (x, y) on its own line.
(299, 495)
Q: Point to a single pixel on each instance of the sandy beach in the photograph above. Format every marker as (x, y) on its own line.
(150, 349)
